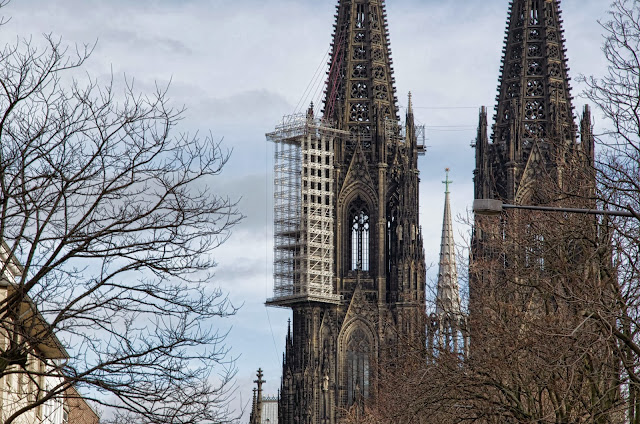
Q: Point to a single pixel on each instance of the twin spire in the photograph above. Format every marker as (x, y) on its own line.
(534, 124)
(534, 102)
(360, 87)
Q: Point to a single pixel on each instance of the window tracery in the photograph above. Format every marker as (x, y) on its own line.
(360, 232)
(358, 380)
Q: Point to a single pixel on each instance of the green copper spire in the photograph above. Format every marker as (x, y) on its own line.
(446, 181)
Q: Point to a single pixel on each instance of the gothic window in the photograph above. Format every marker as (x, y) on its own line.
(534, 109)
(534, 50)
(359, 70)
(373, 17)
(380, 92)
(534, 18)
(535, 88)
(392, 235)
(515, 70)
(555, 70)
(377, 54)
(534, 67)
(360, 231)
(360, 16)
(357, 367)
(517, 35)
(534, 130)
(549, 17)
(359, 112)
(516, 53)
(520, 16)
(378, 72)
(534, 34)
(534, 253)
(359, 90)
(359, 53)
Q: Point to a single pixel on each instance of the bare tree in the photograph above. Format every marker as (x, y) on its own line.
(538, 353)
(110, 213)
(617, 95)
(555, 319)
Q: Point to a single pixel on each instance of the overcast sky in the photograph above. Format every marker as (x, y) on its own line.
(239, 65)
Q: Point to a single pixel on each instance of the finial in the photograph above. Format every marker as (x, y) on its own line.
(447, 182)
(410, 103)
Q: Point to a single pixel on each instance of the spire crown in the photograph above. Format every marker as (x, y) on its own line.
(360, 87)
(534, 102)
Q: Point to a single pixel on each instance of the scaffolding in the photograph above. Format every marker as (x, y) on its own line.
(303, 211)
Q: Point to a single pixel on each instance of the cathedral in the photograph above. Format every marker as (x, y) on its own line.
(349, 258)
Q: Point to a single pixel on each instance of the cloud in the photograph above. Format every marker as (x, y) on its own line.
(239, 66)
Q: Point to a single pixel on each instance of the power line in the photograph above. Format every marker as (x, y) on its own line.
(442, 107)
(452, 126)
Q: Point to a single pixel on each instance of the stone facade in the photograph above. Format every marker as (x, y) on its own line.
(334, 348)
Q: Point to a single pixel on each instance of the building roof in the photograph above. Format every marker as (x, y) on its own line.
(37, 328)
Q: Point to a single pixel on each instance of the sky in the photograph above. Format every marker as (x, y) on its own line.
(239, 66)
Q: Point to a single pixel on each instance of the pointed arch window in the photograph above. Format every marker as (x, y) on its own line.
(392, 234)
(360, 16)
(360, 234)
(358, 380)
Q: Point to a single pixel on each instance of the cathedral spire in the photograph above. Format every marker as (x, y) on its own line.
(360, 89)
(534, 102)
(447, 296)
(587, 140)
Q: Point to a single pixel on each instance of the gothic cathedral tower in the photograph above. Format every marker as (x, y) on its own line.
(534, 130)
(523, 265)
(349, 259)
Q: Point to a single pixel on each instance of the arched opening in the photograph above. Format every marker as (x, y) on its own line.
(392, 237)
(360, 235)
(358, 381)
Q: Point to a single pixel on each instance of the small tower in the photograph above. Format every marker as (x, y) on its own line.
(256, 410)
(448, 324)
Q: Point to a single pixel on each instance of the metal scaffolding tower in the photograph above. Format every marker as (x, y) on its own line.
(303, 210)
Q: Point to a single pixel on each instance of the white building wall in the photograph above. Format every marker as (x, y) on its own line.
(17, 389)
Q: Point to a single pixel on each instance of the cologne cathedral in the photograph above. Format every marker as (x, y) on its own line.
(349, 258)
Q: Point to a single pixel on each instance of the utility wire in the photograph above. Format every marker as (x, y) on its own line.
(266, 244)
(312, 83)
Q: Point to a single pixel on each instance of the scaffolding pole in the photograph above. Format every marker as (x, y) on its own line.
(304, 202)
